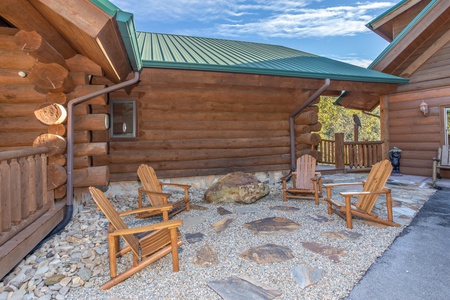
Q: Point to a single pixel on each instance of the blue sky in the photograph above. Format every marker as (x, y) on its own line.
(331, 28)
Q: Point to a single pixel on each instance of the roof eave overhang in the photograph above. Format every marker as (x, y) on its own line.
(377, 25)
(125, 22)
(417, 26)
(273, 72)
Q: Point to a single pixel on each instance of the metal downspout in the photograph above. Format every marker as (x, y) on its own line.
(296, 112)
(70, 122)
(69, 203)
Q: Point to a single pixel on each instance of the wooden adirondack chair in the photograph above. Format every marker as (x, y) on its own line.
(307, 183)
(152, 187)
(441, 162)
(373, 187)
(157, 240)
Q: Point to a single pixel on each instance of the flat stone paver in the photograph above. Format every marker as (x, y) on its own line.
(235, 288)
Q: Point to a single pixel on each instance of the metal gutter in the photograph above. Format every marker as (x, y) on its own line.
(296, 112)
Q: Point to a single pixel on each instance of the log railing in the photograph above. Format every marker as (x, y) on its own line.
(23, 189)
(355, 154)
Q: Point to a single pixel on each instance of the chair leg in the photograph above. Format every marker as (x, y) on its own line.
(316, 193)
(348, 212)
(320, 187)
(112, 256)
(133, 270)
(389, 206)
(165, 216)
(330, 207)
(135, 260)
(140, 199)
(187, 199)
(173, 243)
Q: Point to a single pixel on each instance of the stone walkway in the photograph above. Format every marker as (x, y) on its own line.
(275, 249)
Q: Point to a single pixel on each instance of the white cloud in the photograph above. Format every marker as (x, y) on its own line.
(354, 61)
(321, 22)
(266, 18)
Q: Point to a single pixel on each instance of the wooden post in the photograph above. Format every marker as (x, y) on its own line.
(384, 126)
(355, 132)
(16, 205)
(339, 150)
(5, 197)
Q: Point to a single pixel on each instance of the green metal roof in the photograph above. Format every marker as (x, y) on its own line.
(209, 54)
(127, 30)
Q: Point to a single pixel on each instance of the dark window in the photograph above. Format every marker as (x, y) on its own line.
(123, 118)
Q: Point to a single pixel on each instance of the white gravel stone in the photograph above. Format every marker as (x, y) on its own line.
(81, 249)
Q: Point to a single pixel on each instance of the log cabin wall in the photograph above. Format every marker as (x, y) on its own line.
(195, 123)
(418, 136)
(33, 107)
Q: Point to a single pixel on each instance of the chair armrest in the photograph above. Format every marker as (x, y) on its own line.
(183, 186)
(166, 195)
(168, 224)
(384, 191)
(316, 177)
(147, 209)
(287, 177)
(342, 184)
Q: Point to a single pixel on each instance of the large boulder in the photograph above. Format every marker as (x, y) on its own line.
(237, 187)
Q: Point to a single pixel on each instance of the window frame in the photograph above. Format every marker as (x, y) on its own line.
(133, 134)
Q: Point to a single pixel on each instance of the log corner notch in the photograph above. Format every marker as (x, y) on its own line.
(305, 140)
(51, 72)
(35, 45)
(50, 113)
(309, 119)
(51, 77)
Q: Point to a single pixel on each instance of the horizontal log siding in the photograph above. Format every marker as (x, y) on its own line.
(203, 127)
(419, 137)
(18, 99)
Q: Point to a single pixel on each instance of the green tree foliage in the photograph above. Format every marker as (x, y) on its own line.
(337, 119)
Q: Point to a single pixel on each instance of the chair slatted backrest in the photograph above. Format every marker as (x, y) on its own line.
(306, 169)
(445, 157)
(376, 181)
(150, 182)
(113, 217)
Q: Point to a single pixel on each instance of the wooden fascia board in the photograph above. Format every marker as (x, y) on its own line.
(417, 29)
(209, 79)
(91, 31)
(392, 15)
(364, 87)
(82, 14)
(112, 47)
(437, 45)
